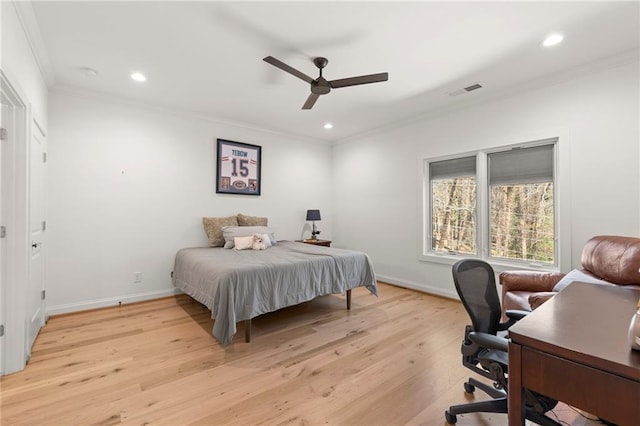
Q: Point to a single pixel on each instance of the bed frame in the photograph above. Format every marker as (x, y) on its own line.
(247, 323)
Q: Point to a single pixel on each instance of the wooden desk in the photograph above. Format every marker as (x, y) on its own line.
(574, 349)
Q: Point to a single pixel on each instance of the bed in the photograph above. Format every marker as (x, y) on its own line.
(238, 285)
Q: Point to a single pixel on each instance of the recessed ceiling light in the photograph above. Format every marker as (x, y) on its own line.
(138, 76)
(328, 126)
(552, 40)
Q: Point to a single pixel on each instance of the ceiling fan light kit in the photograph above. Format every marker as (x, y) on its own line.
(320, 86)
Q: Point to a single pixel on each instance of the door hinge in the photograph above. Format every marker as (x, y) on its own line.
(44, 157)
(44, 225)
(1, 330)
(3, 133)
(3, 231)
(44, 294)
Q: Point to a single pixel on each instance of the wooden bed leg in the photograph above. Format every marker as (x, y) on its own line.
(348, 299)
(247, 331)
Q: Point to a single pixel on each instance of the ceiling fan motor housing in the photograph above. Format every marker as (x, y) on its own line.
(320, 86)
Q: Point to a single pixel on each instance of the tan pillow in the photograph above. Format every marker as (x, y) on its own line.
(213, 227)
(251, 220)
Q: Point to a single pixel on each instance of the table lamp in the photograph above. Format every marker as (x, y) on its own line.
(313, 215)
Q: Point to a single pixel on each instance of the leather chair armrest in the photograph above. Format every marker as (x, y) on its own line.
(537, 299)
(533, 281)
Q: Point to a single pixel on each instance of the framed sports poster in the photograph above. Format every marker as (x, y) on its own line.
(238, 168)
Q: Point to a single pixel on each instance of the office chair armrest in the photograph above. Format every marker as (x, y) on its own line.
(513, 315)
(489, 341)
(516, 314)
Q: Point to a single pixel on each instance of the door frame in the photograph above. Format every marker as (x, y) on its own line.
(17, 224)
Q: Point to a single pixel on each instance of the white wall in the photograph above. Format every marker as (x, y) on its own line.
(596, 115)
(129, 186)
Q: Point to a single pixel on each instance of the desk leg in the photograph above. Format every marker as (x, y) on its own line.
(516, 394)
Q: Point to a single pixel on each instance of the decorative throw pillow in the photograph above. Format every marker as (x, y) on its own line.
(578, 275)
(243, 243)
(259, 242)
(213, 227)
(268, 242)
(230, 232)
(252, 220)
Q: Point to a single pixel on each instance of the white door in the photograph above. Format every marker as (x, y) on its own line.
(37, 225)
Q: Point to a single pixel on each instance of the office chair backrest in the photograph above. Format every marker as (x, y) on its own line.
(475, 283)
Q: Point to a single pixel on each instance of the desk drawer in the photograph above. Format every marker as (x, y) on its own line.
(606, 395)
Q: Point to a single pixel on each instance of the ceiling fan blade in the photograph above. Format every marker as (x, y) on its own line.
(363, 79)
(311, 100)
(284, 67)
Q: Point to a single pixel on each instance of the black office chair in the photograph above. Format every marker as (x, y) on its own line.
(483, 350)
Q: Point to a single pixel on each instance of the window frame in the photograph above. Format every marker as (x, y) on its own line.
(483, 249)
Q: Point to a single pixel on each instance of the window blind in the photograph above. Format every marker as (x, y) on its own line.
(456, 167)
(521, 166)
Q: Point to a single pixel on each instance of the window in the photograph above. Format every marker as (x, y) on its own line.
(495, 204)
(453, 205)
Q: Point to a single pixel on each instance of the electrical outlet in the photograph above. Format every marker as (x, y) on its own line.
(137, 277)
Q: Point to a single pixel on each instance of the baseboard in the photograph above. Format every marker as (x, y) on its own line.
(141, 297)
(110, 301)
(417, 286)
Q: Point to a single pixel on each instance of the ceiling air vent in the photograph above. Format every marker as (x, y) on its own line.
(470, 88)
(473, 87)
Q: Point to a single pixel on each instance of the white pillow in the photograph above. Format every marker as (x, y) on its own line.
(230, 232)
(243, 243)
(578, 275)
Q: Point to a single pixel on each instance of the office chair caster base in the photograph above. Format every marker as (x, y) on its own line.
(469, 388)
(450, 418)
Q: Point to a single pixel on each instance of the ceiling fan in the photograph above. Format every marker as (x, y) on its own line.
(320, 86)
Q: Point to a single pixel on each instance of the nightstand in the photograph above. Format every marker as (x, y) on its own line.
(324, 243)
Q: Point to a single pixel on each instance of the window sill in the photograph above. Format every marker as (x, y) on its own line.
(498, 265)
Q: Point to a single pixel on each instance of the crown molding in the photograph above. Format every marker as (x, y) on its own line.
(29, 23)
(117, 100)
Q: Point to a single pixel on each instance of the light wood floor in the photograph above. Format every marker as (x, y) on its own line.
(391, 360)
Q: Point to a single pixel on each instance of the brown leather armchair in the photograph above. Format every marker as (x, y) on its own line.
(605, 258)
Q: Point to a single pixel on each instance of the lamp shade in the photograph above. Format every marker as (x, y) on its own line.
(313, 214)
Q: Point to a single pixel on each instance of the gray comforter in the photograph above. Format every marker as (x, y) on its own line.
(240, 285)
